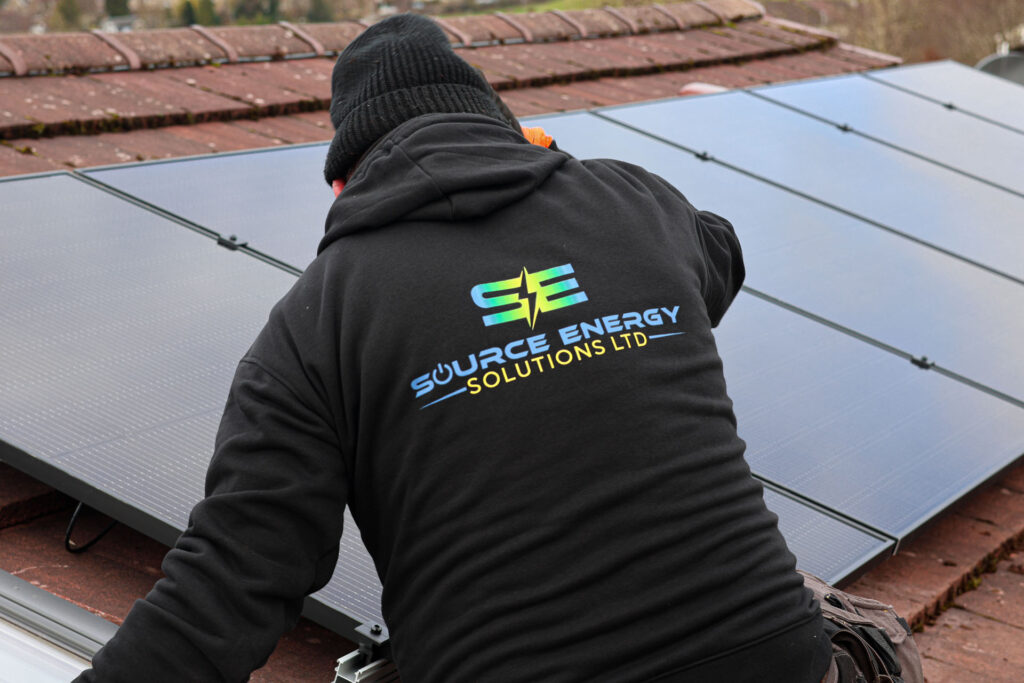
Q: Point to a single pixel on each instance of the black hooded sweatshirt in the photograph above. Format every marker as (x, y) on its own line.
(502, 360)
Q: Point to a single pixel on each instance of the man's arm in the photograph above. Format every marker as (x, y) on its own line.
(724, 259)
(265, 536)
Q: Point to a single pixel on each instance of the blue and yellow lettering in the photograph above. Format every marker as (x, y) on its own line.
(489, 357)
(422, 385)
(630, 320)
(569, 335)
(509, 353)
(465, 373)
(587, 329)
(611, 323)
(652, 317)
(538, 343)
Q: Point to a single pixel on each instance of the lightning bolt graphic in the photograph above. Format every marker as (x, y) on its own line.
(528, 296)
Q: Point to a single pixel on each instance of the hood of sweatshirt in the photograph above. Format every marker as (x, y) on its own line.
(439, 167)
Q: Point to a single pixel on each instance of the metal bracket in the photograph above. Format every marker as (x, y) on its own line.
(923, 363)
(357, 667)
(704, 156)
(231, 242)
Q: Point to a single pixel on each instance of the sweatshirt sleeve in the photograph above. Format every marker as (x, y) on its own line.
(265, 536)
(724, 262)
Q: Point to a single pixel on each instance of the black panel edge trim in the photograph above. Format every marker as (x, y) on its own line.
(52, 618)
(704, 156)
(846, 128)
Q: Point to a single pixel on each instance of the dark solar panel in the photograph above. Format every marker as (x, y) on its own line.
(824, 545)
(836, 266)
(968, 89)
(119, 334)
(939, 206)
(951, 137)
(854, 428)
(275, 200)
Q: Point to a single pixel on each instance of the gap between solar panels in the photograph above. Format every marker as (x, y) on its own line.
(945, 69)
(231, 242)
(847, 128)
(707, 156)
(922, 360)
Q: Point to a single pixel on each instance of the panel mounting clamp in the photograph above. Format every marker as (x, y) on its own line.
(923, 363)
(231, 242)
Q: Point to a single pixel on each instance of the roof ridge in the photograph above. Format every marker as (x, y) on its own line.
(93, 51)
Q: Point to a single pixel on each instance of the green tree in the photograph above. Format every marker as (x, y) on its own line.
(320, 11)
(187, 13)
(116, 8)
(206, 14)
(69, 14)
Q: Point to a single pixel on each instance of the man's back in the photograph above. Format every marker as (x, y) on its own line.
(542, 456)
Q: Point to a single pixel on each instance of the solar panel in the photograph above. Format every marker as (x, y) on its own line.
(119, 335)
(275, 200)
(836, 266)
(824, 545)
(927, 202)
(968, 89)
(854, 428)
(951, 137)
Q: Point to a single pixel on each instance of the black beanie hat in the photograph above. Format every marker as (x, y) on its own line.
(398, 69)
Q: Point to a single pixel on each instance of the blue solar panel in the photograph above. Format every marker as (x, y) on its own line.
(854, 428)
(968, 89)
(836, 266)
(939, 206)
(275, 200)
(951, 137)
(119, 335)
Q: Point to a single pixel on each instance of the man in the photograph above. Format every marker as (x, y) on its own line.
(502, 361)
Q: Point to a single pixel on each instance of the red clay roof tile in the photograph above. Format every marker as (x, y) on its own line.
(617, 65)
(261, 41)
(184, 102)
(687, 14)
(604, 22)
(735, 10)
(334, 37)
(547, 26)
(648, 19)
(788, 35)
(483, 28)
(172, 47)
(57, 52)
(287, 130)
(246, 83)
(15, 162)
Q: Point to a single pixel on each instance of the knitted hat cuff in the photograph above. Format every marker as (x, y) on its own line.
(371, 120)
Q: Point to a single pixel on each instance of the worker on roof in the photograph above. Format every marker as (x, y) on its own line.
(502, 361)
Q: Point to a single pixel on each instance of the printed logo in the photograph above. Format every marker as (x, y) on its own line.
(529, 294)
